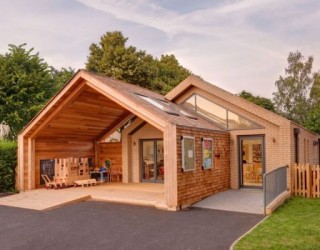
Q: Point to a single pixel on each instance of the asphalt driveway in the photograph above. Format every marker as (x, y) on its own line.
(101, 225)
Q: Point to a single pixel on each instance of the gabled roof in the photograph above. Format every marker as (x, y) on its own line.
(122, 98)
(197, 82)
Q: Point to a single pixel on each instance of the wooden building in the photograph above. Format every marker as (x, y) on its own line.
(197, 140)
(76, 122)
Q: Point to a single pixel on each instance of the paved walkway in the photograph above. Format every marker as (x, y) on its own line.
(42, 199)
(242, 200)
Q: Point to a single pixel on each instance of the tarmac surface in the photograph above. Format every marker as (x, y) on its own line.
(102, 225)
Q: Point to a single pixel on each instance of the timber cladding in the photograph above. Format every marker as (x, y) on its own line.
(111, 151)
(195, 185)
(59, 148)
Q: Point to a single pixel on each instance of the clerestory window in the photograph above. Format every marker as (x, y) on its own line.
(219, 115)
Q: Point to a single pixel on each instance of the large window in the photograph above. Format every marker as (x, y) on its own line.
(188, 153)
(221, 116)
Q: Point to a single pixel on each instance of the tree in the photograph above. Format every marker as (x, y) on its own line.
(26, 83)
(61, 77)
(111, 57)
(170, 74)
(313, 117)
(292, 100)
(261, 101)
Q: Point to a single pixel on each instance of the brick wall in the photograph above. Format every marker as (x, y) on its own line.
(198, 184)
(277, 131)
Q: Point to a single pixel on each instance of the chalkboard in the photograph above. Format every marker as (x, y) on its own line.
(46, 168)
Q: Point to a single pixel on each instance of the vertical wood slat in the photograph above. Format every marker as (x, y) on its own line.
(316, 172)
(306, 180)
(296, 174)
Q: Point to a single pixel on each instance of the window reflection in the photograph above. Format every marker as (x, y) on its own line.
(212, 111)
(238, 122)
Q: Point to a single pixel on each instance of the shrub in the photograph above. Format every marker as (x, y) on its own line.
(8, 163)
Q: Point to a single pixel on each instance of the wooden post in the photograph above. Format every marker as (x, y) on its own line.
(170, 168)
(31, 165)
(317, 181)
(308, 184)
(20, 170)
(96, 153)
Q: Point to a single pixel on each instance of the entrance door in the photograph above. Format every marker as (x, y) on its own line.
(152, 167)
(251, 161)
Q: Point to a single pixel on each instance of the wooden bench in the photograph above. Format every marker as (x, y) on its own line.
(86, 182)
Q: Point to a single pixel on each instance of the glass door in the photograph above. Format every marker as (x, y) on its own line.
(152, 168)
(251, 161)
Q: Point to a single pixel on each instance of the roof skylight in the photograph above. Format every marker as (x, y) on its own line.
(166, 106)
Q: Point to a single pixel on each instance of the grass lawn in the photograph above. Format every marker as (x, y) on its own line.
(295, 225)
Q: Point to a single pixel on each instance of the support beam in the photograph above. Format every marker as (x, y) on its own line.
(170, 171)
(115, 125)
(20, 170)
(31, 165)
(96, 153)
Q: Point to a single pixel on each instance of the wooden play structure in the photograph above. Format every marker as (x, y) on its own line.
(68, 172)
(71, 169)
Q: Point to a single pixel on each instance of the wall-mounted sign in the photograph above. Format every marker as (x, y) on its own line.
(188, 153)
(207, 149)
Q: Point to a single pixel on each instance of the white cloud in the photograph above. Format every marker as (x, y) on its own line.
(236, 44)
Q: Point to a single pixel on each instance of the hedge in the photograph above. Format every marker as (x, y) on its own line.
(8, 163)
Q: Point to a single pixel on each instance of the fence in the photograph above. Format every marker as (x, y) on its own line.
(274, 184)
(306, 180)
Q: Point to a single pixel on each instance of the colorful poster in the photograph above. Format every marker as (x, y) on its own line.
(207, 148)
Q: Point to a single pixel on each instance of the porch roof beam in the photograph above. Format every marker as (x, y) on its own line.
(114, 126)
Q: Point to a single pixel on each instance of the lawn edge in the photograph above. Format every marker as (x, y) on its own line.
(249, 231)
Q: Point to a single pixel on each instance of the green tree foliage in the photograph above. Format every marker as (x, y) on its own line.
(298, 95)
(313, 117)
(8, 162)
(292, 100)
(61, 77)
(113, 58)
(26, 83)
(261, 101)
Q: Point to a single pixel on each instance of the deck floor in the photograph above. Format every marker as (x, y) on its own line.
(242, 200)
(147, 194)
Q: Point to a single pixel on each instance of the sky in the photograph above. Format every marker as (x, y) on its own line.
(234, 44)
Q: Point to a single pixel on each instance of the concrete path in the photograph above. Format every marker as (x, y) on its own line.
(42, 199)
(242, 200)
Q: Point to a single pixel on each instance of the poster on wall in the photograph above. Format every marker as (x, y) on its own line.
(46, 168)
(188, 153)
(207, 146)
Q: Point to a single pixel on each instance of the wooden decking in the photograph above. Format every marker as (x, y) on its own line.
(42, 199)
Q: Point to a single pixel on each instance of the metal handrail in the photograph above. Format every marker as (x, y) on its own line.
(274, 183)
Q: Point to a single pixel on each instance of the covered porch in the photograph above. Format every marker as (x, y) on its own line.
(75, 125)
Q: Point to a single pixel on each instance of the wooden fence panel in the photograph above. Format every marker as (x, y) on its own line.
(306, 180)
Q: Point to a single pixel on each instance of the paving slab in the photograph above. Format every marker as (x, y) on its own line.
(242, 200)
